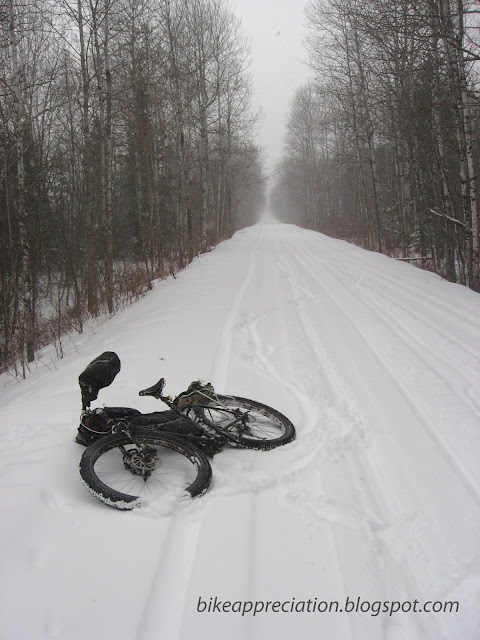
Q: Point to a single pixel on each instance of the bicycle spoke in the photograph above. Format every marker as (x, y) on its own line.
(174, 471)
(252, 424)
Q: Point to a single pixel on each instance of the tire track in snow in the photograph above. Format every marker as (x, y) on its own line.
(265, 363)
(219, 379)
(375, 517)
(420, 560)
(417, 293)
(418, 296)
(469, 483)
(285, 310)
(220, 366)
(359, 524)
(416, 345)
(284, 305)
(165, 601)
(164, 609)
(334, 518)
(410, 339)
(322, 362)
(287, 303)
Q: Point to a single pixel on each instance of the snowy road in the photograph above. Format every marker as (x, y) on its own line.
(376, 505)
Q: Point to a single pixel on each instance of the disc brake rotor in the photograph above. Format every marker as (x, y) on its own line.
(141, 462)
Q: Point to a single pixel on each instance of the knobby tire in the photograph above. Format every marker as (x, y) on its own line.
(267, 427)
(181, 467)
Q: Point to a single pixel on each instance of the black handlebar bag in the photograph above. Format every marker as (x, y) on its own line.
(98, 374)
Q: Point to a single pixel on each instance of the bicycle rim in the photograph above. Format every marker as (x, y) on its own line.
(175, 467)
(265, 427)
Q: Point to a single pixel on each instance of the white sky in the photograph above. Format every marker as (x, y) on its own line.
(276, 30)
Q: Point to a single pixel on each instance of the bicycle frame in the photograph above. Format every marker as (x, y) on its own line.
(222, 431)
(220, 436)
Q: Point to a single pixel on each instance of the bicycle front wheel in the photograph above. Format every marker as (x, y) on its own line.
(263, 427)
(124, 474)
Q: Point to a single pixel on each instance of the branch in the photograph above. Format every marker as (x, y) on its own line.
(421, 258)
(454, 220)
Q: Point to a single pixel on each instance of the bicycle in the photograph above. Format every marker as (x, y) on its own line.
(132, 457)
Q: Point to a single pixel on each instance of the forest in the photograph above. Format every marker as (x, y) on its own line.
(382, 144)
(127, 148)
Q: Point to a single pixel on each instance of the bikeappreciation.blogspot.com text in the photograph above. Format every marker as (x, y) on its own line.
(316, 605)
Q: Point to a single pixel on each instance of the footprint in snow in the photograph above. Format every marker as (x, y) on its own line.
(53, 499)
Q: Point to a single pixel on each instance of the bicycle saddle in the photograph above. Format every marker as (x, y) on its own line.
(155, 390)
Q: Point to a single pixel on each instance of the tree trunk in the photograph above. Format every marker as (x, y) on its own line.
(92, 303)
(453, 43)
(108, 235)
(26, 261)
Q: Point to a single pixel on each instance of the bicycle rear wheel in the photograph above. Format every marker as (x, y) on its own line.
(125, 475)
(264, 427)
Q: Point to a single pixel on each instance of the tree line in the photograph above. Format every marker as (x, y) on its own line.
(382, 146)
(127, 147)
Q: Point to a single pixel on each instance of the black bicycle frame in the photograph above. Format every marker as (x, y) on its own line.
(223, 431)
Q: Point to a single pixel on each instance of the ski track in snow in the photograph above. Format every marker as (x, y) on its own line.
(376, 363)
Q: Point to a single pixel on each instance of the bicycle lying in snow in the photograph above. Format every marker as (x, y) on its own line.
(132, 457)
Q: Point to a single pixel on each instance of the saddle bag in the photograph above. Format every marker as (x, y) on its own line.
(197, 393)
(95, 424)
(99, 373)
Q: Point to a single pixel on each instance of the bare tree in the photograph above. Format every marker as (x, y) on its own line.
(403, 100)
(126, 146)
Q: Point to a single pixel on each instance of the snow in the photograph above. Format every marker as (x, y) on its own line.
(375, 362)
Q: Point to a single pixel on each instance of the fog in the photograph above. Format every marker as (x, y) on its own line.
(276, 31)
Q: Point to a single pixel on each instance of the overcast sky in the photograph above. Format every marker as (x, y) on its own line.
(276, 31)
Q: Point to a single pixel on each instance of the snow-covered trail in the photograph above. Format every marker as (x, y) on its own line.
(376, 363)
